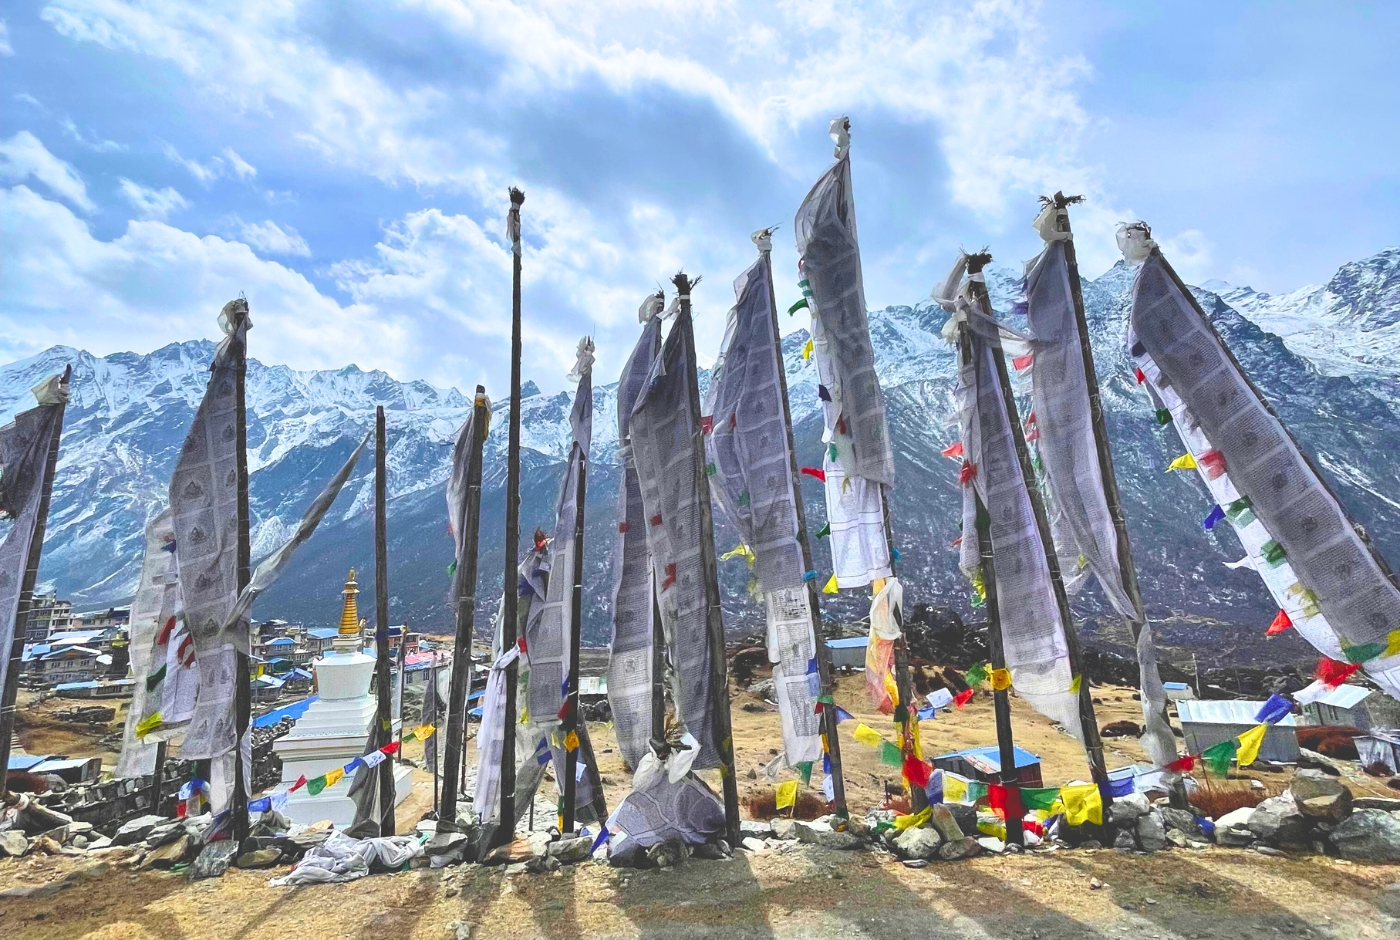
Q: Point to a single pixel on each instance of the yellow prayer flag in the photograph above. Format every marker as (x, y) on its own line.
(571, 741)
(1249, 745)
(1001, 680)
(914, 820)
(1392, 644)
(807, 350)
(333, 776)
(1083, 804)
(831, 586)
(954, 788)
(147, 725)
(1186, 461)
(423, 732)
(892, 688)
(868, 736)
(787, 794)
(1075, 684)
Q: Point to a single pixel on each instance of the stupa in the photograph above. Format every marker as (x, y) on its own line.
(334, 729)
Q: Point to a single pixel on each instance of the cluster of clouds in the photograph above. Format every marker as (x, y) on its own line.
(974, 83)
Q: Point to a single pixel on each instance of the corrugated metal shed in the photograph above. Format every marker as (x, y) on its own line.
(984, 763)
(1207, 721)
(849, 652)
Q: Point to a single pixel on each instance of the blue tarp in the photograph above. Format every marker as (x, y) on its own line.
(293, 711)
(24, 761)
(992, 754)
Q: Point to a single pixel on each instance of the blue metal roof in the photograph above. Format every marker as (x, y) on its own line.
(278, 659)
(68, 686)
(282, 641)
(293, 711)
(24, 761)
(848, 643)
(1176, 686)
(992, 754)
(324, 633)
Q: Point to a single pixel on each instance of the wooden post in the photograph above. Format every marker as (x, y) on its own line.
(511, 585)
(10, 693)
(431, 690)
(1001, 701)
(905, 716)
(466, 623)
(385, 725)
(573, 720)
(1093, 746)
(828, 684)
(714, 615)
(242, 695)
(658, 675)
(158, 778)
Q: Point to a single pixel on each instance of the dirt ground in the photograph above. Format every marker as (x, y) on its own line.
(807, 892)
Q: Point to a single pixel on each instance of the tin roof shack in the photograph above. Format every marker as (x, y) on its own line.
(1379, 747)
(984, 763)
(849, 652)
(74, 770)
(1176, 691)
(1205, 722)
(1355, 706)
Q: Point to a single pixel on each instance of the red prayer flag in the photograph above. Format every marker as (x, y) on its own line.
(1181, 765)
(622, 527)
(840, 424)
(1213, 463)
(390, 749)
(301, 782)
(957, 542)
(707, 423)
(917, 772)
(1333, 673)
(953, 450)
(1141, 379)
(963, 697)
(670, 576)
(814, 472)
(656, 519)
(1005, 801)
(968, 473)
(1022, 362)
(166, 631)
(1281, 622)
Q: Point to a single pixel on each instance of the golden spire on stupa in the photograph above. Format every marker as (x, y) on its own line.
(350, 613)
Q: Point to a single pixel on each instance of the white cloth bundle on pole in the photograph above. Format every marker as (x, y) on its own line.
(1033, 636)
(490, 739)
(1316, 565)
(630, 658)
(663, 445)
(1073, 477)
(204, 503)
(151, 610)
(853, 407)
(747, 447)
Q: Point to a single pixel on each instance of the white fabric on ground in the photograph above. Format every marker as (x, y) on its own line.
(342, 858)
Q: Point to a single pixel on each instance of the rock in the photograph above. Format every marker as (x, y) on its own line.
(1177, 838)
(1232, 829)
(711, 851)
(755, 829)
(942, 819)
(1321, 762)
(1090, 844)
(1263, 849)
(1095, 884)
(13, 843)
(169, 853)
(783, 828)
(33, 818)
(569, 851)
(915, 863)
(991, 844)
(1333, 808)
(807, 832)
(842, 841)
(450, 847)
(857, 826)
(668, 854)
(137, 829)
(1388, 901)
(1125, 841)
(917, 843)
(78, 842)
(1307, 784)
(965, 815)
(259, 858)
(966, 847)
(1369, 835)
(753, 845)
(543, 865)
(1151, 832)
(1126, 809)
(1375, 802)
(76, 828)
(1277, 821)
(160, 835)
(1182, 820)
(213, 860)
(460, 930)
(752, 774)
(514, 852)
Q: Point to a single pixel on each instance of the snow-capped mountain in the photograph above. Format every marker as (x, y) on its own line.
(129, 414)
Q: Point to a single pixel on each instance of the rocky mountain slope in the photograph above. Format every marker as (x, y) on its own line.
(1323, 356)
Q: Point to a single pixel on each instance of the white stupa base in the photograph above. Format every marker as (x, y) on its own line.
(331, 734)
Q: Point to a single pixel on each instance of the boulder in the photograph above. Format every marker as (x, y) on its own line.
(711, 851)
(13, 843)
(1369, 835)
(213, 860)
(991, 844)
(753, 845)
(916, 842)
(1177, 838)
(1232, 829)
(1125, 810)
(808, 832)
(751, 828)
(136, 830)
(1388, 901)
(1151, 832)
(1125, 841)
(569, 851)
(942, 819)
(160, 835)
(668, 854)
(965, 815)
(1375, 802)
(169, 853)
(966, 847)
(33, 818)
(1278, 821)
(514, 852)
(844, 841)
(1183, 820)
(782, 828)
(1321, 762)
(1307, 784)
(1333, 807)
(259, 858)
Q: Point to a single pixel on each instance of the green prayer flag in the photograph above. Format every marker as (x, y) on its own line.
(976, 790)
(804, 772)
(1164, 416)
(155, 678)
(824, 531)
(314, 787)
(891, 754)
(797, 306)
(744, 498)
(1039, 797)
(710, 470)
(1218, 756)
(831, 450)
(451, 569)
(826, 699)
(1241, 511)
(978, 601)
(1273, 552)
(977, 674)
(1363, 653)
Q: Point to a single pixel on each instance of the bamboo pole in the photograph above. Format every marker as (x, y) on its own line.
(904, 715)
(828, 685)
(511, 584)
(26, 596)
(573, 720)
(242, 694)
(385, 725)
(1001, 700)
(714, 615)
(1093, 745)
(466, 623)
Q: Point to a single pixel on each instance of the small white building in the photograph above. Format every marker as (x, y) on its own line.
(1176, 691)
(1205, 722)
(849, 652)
(1353, 706)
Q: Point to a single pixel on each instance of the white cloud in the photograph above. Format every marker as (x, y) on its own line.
(241, 168)
(152, 203)
(156, 284)
(5, 47)
(206, 173)
(269, 238)
(23, 156)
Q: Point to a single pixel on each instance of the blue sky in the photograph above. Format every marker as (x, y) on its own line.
(345, 164)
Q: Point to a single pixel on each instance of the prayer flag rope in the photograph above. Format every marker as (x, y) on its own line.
(331, 777)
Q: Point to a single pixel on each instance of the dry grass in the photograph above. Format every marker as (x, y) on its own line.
(764, 805)
(1216, 798)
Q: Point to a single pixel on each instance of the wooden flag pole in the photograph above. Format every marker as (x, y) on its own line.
(242, 694)
(658, 675)
(829, 723)
(466, 627)
(1093, 745)
(431, 690)
(573, 720)
(511, 585)
(714, 614)
(385, 723)
(905, 715)
(1001, 700)
(26, 596)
